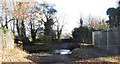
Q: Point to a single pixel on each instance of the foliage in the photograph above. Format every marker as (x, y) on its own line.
(45, 39)
(114, 16)
(111, 12)
(82, 34)
(78, 52)
(5, 30)
(48, 27)
(48, 9)
(49, 12)
(95, 23)
(101, 25)
(15, 16)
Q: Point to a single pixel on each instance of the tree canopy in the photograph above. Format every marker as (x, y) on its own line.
(27, 19)
(114, 16)
(82, 34)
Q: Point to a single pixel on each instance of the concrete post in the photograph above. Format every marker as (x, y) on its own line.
(93, 38)
(108, 39)
(1, 43)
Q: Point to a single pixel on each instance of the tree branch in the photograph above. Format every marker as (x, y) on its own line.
(8, 22)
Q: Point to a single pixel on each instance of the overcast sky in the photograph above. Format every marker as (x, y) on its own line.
(73, 9)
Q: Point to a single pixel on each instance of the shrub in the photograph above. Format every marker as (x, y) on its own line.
(45, 39)
(82, 34)
(78, 52)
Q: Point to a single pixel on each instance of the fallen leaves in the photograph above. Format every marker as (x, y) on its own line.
(14, 55)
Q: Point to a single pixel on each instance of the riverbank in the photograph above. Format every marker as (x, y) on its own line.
(14, 55)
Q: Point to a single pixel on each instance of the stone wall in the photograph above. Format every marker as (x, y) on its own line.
(1, 44)
(1, 39)
(6, 40)
(9, 40)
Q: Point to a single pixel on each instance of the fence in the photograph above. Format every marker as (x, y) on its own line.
(108, 39)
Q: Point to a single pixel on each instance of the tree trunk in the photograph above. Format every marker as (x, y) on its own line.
(17, 26)
(33, 35)
(59, 31)
(33, 32)
(6, 25)
(13, 27)
(23, 31)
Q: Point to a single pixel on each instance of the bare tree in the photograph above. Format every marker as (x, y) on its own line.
(17, 11)
(6, 12)
(60, 23)
(96, 23)
(34, 22)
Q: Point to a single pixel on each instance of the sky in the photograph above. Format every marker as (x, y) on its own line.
(72, 10)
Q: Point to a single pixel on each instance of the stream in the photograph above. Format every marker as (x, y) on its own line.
(60, 54)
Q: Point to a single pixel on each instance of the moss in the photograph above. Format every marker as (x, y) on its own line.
(5, 30)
